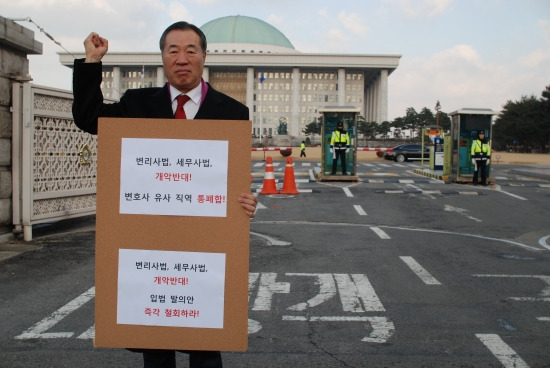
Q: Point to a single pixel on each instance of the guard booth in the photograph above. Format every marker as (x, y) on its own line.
(331, 116)
(465, 125)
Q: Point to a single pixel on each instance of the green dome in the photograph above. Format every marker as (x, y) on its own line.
(240, 29)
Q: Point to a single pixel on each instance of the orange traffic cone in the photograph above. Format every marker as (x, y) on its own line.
(289, 184)
(269, 178)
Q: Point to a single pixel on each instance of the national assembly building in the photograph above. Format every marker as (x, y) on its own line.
(253, 62)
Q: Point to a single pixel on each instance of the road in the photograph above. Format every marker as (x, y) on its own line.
(396, 270)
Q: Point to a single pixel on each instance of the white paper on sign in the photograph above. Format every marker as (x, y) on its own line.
(177, 177)
(169, 288)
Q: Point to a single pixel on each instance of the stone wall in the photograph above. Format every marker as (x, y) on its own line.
(16, 42)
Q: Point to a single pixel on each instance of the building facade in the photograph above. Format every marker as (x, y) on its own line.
(256, 64)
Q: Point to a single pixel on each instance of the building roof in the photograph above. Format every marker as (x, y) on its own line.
(238, 32)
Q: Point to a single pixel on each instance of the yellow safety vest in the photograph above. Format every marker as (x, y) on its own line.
(480, 149)
(339, 140)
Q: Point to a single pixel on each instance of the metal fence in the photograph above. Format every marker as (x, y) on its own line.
(54, 162)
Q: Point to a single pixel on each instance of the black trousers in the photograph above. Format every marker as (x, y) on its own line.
(482, 170)
(167, 358)
(340, 154)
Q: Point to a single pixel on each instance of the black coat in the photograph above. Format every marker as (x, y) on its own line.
(154, 102)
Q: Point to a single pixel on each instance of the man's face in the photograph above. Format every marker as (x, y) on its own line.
(183, 59)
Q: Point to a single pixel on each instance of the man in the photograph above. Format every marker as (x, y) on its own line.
(340, 146)
(481, 157)
(303, 149)
(183, 50)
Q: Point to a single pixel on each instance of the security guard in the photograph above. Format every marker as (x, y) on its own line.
(481, 157)
(303, 149)
(339, 145)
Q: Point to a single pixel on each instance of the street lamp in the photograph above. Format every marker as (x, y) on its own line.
(437, 109)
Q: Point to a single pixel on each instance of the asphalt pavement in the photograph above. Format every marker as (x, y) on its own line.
(41, 233)
(315, 302)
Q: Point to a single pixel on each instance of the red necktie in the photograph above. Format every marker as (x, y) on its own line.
(180, 112)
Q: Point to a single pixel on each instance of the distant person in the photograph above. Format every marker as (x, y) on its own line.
(340, 146)
(183, 52)
(481, 157)
(303, 149)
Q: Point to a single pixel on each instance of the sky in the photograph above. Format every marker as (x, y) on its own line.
(462, 53)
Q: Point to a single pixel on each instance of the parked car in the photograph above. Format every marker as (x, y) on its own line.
(406, 152)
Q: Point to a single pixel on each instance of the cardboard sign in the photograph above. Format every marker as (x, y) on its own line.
(172, 241)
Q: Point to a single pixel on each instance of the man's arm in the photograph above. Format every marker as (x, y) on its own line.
(87, 95)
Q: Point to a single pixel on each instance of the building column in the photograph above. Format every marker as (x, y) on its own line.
(250, 95)
(206, 74)
(383, 96)
(372, 102)
(116, 87)
(294, 123)
(341, 87)
(367, 103)
(160, 76)
(250, 92)
(376, 101)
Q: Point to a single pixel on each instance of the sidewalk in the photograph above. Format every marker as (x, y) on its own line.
(43, 234)
(540, 172)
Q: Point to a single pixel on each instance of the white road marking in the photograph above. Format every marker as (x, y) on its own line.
(544, 319)
(311, 175)
(260, 206)
(450, 208)
(252, 278)
(327, 290)
(348, 192)
(544, 242)
(382, 329)
(499, 189)
(444, 232)
(420, 271)
(431, 192)
(359, 210)
(356, 289)
(272, 241)
(380, 232)
(268, 287)
(39, 329)
(544, 295)
(88, 334)
(504, 353)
